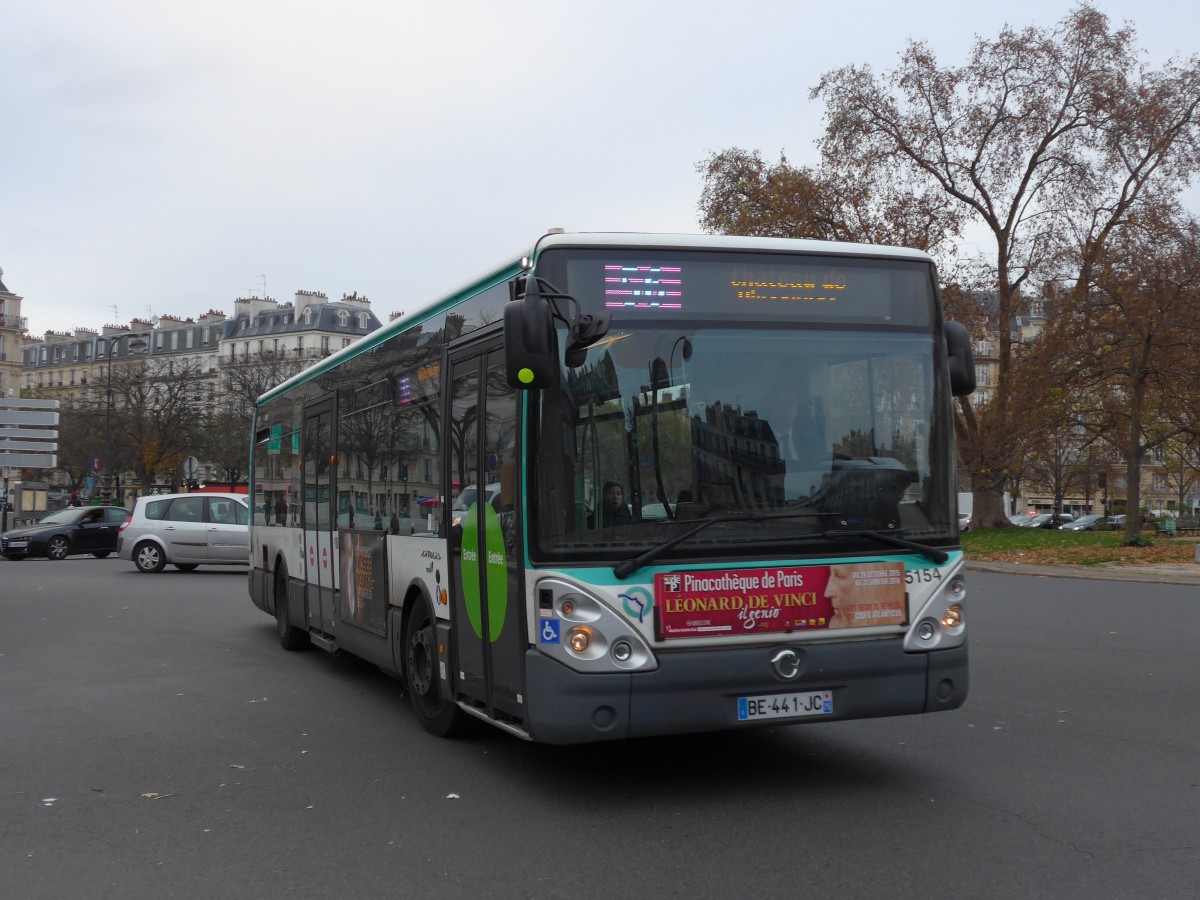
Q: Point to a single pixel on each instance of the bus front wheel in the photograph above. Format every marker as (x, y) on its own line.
(438, 713)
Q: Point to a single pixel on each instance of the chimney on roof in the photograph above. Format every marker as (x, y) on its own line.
(356, 301)
(252, 306)
(305, 299)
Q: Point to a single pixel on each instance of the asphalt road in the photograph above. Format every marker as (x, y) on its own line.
(157, 742)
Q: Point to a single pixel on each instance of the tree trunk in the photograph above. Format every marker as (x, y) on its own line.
(988, 511)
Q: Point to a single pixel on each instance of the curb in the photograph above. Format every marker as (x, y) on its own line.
(1180, 573)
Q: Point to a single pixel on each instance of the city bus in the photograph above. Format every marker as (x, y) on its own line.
(720, 491)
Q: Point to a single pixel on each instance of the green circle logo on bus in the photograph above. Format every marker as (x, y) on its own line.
(495, 571)
(637, 602)
(526, 376)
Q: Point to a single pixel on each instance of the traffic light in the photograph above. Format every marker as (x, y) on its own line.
(403, 473)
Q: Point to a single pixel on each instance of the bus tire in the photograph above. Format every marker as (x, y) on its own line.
(290, 637)
(437, 713)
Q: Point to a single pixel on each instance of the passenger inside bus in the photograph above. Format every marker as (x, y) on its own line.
(614, 510)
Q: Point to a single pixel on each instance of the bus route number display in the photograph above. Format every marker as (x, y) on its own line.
(798, 289)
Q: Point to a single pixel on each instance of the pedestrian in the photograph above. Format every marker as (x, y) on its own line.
(75, 499)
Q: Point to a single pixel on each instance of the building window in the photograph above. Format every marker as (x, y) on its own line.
(362, 320)
(308, 316)
(324, 343)
(343, 318)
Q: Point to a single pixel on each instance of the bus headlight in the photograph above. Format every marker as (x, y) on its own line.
(941, 622)
(580, 639)
(595, 636)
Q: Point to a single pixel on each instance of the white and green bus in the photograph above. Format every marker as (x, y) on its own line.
(630, 485)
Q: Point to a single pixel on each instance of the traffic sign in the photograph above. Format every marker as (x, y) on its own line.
(25, 447)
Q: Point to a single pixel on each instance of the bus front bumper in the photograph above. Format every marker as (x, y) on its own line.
(698, 690)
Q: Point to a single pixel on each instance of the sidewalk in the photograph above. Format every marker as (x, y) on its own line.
(1165, 573)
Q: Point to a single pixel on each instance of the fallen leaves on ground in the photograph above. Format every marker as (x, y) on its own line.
(1160, 552)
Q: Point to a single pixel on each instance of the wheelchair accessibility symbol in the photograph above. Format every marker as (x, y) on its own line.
(549, 631)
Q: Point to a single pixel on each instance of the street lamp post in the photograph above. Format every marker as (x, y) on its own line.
(134, 345)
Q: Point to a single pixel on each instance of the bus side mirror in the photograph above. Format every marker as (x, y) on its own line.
(529, 340)
(960, 357)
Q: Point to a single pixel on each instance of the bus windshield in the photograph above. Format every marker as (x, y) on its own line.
(797, 433)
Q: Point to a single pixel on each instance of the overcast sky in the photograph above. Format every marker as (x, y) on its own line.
(161, 157)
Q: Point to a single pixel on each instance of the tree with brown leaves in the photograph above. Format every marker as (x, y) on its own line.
(1049, 139)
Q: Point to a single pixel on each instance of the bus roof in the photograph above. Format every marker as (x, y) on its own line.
(558, 238)
(724, 242)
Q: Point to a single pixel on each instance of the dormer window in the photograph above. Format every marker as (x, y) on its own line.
(308, 316)
(343, 318)
(362, 320)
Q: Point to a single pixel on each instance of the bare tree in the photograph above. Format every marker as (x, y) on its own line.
(1038, 132)
(1130, 353)
(226, 442)
(162, 408)
(742, 194)
(1180, 457)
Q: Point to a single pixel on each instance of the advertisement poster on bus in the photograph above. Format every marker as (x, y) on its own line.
(779, 599)
(364, 570)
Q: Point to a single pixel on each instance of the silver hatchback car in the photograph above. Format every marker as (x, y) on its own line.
(186, 530)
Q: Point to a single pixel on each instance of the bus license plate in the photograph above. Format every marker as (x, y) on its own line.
(785, 706)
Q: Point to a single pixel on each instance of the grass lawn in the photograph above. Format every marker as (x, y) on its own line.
(1044, 546)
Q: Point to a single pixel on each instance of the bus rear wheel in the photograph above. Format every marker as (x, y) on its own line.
(290, 637)
(437, 713)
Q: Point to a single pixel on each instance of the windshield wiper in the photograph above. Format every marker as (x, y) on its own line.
(624, 569)
(628, 567)
(932, 553)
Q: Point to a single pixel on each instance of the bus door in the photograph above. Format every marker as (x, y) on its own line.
(486, 610)
(319, 471)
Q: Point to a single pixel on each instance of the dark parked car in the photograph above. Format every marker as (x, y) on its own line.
(1083, 523)
(1049, 520)
(86, 529)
